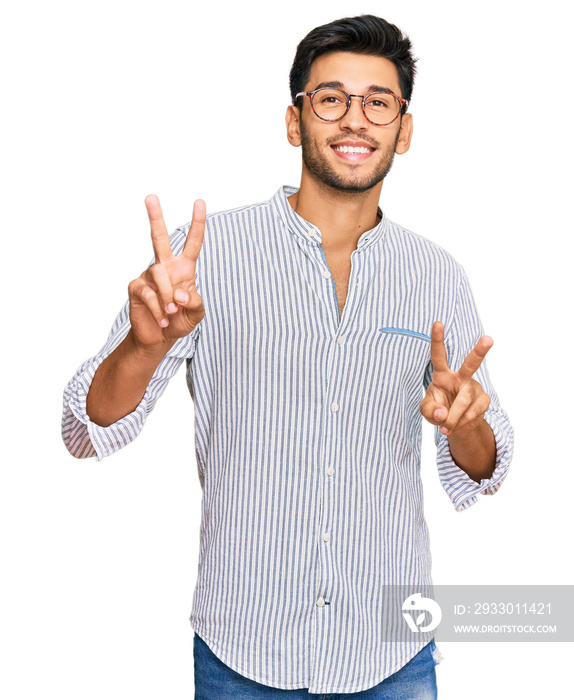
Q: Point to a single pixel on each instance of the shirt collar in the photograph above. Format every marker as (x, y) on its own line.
(302, 228)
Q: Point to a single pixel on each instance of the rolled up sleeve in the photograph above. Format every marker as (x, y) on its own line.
(82, 437)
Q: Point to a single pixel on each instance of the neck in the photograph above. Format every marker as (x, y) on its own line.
(342, 217)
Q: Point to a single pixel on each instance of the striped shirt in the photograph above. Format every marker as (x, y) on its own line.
(308, 439)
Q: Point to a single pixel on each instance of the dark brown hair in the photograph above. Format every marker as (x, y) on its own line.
(365, 34)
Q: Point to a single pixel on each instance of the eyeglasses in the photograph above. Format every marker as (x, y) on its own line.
(379, 108)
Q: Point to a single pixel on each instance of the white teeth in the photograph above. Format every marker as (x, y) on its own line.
(352, 149)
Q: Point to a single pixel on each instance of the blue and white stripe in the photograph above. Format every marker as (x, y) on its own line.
(308, 439)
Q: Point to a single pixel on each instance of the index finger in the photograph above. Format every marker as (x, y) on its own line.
(194, 239)
(159, 234)
(439, 357)
(475, 357)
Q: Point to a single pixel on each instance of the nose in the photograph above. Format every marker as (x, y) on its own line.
(355, 119)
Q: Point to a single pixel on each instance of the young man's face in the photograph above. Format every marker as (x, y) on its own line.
(323, 142)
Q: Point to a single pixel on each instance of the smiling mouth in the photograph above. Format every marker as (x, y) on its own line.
(352, 149)
(352, 153)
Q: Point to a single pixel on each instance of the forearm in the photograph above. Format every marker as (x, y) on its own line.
(121, 380)
(475, 451)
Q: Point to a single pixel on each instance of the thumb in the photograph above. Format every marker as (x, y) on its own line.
(190, 303)
(181, 296)
(433, 411)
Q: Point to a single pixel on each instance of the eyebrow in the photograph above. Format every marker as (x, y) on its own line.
(339, 85)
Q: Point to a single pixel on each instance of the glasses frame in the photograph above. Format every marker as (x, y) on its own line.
(403, 104)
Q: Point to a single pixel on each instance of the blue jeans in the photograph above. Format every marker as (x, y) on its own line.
(216, 681)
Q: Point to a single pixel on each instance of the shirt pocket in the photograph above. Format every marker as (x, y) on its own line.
(403, 354)
(405, 331)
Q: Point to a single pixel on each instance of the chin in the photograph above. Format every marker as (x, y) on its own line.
(346, 184)
(322, 172)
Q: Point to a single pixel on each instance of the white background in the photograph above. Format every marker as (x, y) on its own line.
(107, 102)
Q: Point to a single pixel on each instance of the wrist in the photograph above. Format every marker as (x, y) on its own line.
(470, 437)
(474, 451)
(145, 353)
(120, 381)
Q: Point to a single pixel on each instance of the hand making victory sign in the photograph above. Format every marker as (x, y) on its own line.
(164, 306)
(454, 400)
(164, 303)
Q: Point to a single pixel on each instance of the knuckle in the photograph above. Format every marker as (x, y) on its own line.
(473, 365)
(481, 406)
(196, 305)
(473, 414)
(138, 282)
(135, 288)
(155, 271)
(148, 295)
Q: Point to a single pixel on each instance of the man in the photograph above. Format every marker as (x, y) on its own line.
(317, 334)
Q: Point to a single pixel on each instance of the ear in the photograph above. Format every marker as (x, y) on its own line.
(293, 123)
(405, 134)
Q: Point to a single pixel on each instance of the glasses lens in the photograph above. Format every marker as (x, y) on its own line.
(329, 104)
(382, 108)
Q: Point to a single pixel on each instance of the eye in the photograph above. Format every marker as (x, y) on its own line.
(330, 99)
(381, 102)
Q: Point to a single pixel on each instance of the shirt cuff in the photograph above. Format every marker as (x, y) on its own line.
(461, 489)
(87, 439)
(83, 438)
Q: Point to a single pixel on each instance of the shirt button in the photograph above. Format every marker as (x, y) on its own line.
(341, 339)
(312, 232)
(320, 602)
(330, 471)
(326, 537)
(334, 407)
(326, 274)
